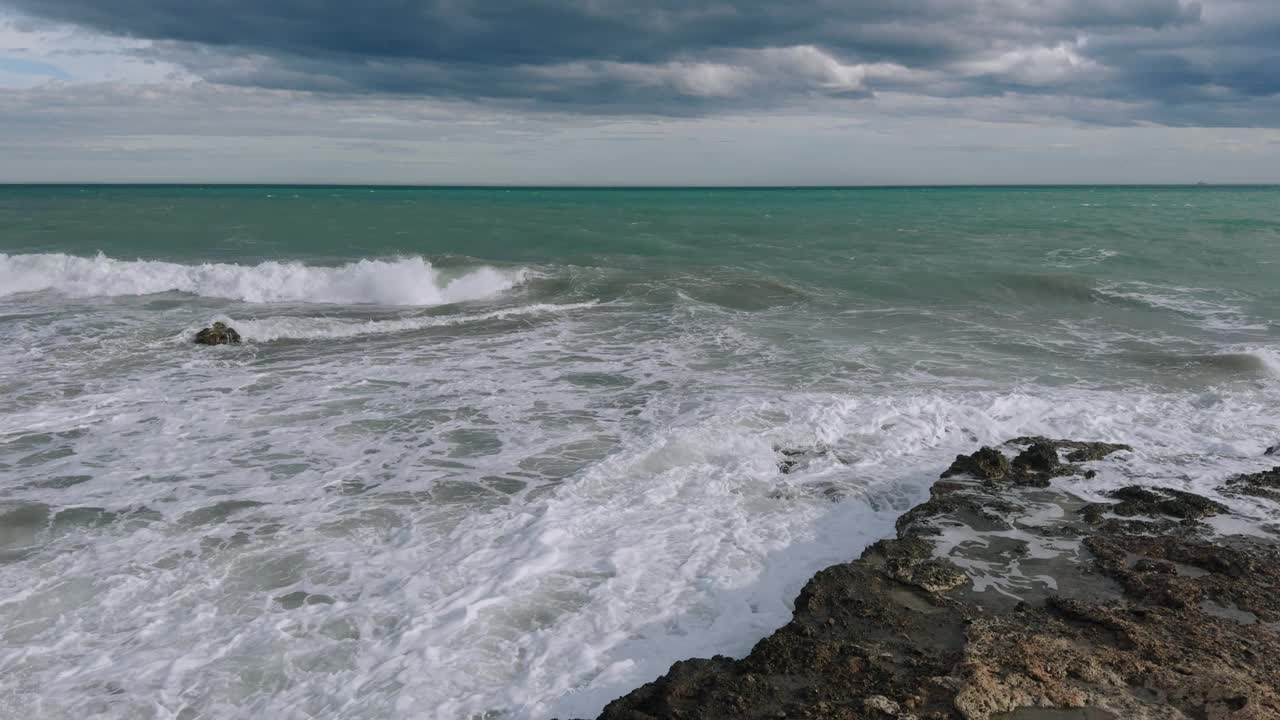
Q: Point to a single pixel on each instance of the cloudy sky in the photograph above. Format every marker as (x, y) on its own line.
(640, 91)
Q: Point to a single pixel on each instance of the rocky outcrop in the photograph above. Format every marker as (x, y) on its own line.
(1036, 465)
(985, 464)
(1005, 596)
(219, 334)
(1261, 484)
(1154, 503)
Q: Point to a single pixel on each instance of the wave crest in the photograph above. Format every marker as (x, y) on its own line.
(1216, 311)
(403, 281)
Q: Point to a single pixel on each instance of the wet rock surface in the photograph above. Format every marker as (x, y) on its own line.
(795, 458)
(1005, 596)
(985, 464)
(1154, 502)
(1261, 484)
(218, 334)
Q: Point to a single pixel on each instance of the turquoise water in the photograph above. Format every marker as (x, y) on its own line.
(521, 445)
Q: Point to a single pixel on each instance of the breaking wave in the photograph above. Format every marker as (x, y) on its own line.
(402, 281)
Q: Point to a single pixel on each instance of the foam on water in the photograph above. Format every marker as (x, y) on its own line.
(523, 506)
(483, 537)
(325, 328)
(1215, 310)
(404, 281)
(1078, 257)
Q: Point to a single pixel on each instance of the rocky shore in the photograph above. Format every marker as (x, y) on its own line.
(1006, 596)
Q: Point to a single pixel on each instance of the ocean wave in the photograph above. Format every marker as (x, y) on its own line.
(402, 281)
(1268, 359)
(1043, 286)
(1216, 314)
(320, 328)
(1257, 362)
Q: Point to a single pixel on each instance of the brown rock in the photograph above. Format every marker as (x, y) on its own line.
(985, 464)
(1139, 622)
(219, 334)
(1262, 484)
(1136, 500)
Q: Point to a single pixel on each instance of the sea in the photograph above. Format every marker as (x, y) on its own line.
(506, 454)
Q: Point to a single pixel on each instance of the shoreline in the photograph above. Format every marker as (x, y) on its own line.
(1006, 596)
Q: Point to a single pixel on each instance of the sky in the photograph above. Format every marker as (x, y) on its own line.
(640, 92)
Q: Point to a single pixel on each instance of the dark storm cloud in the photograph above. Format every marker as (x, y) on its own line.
(512, 32)
(491, 33)
(700, 56)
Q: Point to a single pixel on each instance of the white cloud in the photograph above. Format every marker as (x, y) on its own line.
(83, 56)
(815, 68)
(1034, 65)
(742, 72)
(125, 116)
(201, 132)
(697, 79)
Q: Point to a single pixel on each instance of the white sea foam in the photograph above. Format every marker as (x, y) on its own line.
(453, 600)
(319, 328)
(1076, 257)
(1216, 313)
(404, 281)
(522, 524)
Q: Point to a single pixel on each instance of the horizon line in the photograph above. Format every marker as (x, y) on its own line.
(499, 186)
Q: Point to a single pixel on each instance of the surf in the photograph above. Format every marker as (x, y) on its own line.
(412, 281)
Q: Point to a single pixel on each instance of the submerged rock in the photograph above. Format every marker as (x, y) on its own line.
(791, 459)
(796, 458)
(295, 600)
(822, 489)
(1273, 450)
(957, 618)
(219, 334)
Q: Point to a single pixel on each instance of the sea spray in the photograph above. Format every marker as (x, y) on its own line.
(424, 489)
(403, 281)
